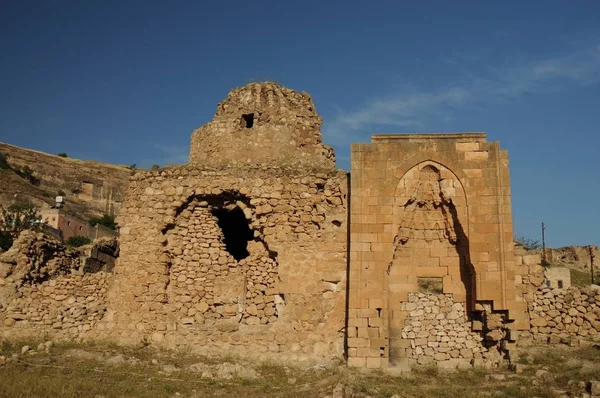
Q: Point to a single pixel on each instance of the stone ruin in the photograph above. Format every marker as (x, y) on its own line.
(260, 247)
(243, 249)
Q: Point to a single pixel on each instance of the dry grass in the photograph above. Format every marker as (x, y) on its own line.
(582, 278)
(59, 373)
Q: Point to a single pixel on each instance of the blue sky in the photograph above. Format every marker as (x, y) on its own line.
(127, 81)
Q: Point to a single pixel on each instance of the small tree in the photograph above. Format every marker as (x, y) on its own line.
(527, 243)
(106, 220)
(15, 219)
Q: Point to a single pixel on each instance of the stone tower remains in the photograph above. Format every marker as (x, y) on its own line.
(245, 247)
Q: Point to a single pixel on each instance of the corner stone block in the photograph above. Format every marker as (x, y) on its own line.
(357, 362)
(373, 363)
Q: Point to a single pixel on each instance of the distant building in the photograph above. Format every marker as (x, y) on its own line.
(558, 277)
(70, 226)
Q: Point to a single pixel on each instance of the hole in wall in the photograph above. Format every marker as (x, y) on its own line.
(337, 223)
(430, 285)
(320, 186)
(236, 231)
(560, 284)
(248, 120)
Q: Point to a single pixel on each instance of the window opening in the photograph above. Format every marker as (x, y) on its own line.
(248, 120)
(431, 285)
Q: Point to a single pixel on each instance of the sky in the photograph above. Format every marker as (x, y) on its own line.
(127, 82)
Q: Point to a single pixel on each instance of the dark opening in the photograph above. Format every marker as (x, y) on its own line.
(430, 285)
(560, 284)
(236, 231)
(248, 120)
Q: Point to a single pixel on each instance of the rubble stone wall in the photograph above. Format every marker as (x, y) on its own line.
(67, 306)
(563, 314)
(181, 280)
(556, 314)
(436, 329)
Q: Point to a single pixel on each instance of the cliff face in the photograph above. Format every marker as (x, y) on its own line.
(577, 257)
(91, 188)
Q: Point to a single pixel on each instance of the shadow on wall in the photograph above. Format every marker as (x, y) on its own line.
(467, 270)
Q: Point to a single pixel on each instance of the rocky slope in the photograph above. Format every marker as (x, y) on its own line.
(91, 188)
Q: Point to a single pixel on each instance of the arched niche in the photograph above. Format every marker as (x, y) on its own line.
(430, 226)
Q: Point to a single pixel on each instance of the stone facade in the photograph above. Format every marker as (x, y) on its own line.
(428, 209)
(558, 277)
(261, 247)
(66, 225)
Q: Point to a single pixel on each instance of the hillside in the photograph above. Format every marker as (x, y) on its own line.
(91, 188)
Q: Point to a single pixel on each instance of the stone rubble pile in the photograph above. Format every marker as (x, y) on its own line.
(33, 258)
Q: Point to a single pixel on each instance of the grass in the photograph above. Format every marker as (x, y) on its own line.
(582, 278)
(143, 374)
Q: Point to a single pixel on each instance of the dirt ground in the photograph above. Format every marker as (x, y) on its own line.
(103, 371)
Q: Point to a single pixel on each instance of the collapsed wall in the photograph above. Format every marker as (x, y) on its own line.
(47, 289)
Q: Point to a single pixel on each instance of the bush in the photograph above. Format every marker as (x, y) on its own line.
(77, 241)
(15, 219)
(4, 162)
(62, 155)
(106, 220)
(529, 244)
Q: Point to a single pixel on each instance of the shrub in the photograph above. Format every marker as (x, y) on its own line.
(527, 243)
(62, 155)
(4, 162)
(15, 219)
(106, 220)
(77, 241)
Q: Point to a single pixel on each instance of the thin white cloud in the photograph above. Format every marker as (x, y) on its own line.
(413, 109)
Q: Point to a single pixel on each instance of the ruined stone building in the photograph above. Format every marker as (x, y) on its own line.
(261, 247)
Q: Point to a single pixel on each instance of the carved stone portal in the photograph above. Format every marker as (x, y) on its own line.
(427, 212)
